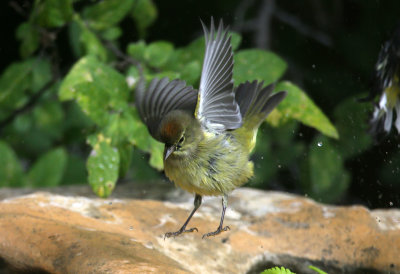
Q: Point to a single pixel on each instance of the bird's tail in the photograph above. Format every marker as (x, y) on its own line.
(255, 103)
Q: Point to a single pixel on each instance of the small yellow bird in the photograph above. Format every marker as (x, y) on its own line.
(208, 134)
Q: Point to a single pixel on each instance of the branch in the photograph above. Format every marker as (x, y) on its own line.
(117, 52)
(295, 23)
(263, 29)
(30, 103)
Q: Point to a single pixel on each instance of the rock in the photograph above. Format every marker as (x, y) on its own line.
(73, 234)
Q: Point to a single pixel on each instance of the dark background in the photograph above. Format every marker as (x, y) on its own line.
(330, 46)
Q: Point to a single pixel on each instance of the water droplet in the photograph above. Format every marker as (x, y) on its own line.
(319, 144)
(262, 157)
(279, 166)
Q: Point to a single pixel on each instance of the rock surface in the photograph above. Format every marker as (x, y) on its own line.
(74, 234)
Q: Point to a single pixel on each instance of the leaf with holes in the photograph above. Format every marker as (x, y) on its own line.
(103, 167)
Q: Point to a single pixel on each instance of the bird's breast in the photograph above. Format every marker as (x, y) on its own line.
(218, 165)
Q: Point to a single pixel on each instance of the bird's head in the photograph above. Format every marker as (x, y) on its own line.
(180, 132)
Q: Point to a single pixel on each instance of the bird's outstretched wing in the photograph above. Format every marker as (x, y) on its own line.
(161, 97)
(216, 106)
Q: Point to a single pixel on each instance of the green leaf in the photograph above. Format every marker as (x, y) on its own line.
(297, 105)
(29, 37)
(351, 117)
(106, 14)
(319, 271)
(112, 33)
(125, 152)
(141, 170)
(235, 40)
(41, 73)
(48, 170)
(156, 152)
(49, 117)
(11, 173)
(121, 127)
(51, 13)
(91, 44)
(103, 167)
(14, 81)
(143, 140)
(144, 13)
(132, 78)
(255, 64)
(75, 171)
(171, 75)
(277, 270)
(136, 50)
(94, 102)
(158, 53)
(191, 73)
(96, 87)
(323, 176)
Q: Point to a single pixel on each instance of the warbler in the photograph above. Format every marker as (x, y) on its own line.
(208, 133)
(387, 84)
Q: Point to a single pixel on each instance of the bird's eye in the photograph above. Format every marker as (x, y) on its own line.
(182, 139)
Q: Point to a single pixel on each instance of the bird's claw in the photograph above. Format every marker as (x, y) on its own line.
(180, 231)
(218, 231)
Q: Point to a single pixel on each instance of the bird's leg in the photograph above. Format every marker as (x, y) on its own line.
(197, 203)
(220, 228)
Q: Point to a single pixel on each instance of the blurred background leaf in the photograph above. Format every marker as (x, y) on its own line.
(297, 105)
(11, 173)
(48, 170)
(257, 65)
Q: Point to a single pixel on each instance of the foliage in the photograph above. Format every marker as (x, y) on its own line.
(55, 123)
(277, 270)
(282, 270)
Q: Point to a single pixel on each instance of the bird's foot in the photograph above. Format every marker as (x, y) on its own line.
(216, 232)
(180, 231)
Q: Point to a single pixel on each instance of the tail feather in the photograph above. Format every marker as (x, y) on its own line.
(255, 103)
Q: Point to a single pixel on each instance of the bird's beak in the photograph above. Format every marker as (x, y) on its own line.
(168, 151)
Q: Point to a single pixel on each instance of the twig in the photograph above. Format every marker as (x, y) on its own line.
(31, 102)
(240, 13)
(17, 7)
(263, 31)
(121, 55)
(303, 28)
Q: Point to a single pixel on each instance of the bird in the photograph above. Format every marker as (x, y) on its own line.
(386, 84)
(208, 133)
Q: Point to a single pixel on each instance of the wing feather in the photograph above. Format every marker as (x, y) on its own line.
(161, 97)
(216, 107)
